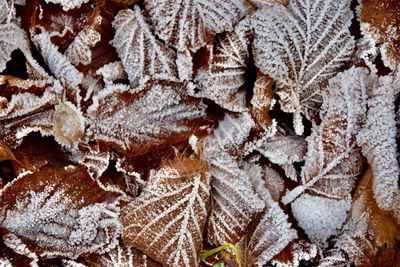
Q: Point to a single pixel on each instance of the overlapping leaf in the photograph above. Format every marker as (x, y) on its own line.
(60, 212)
(167, 220)
(140, 52)
(188, 24)
(158, 115)
(301, 46)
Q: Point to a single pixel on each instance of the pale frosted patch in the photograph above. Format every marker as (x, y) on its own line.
(68, 4)
(320, 217)
(185, 24)
(125, 257)
(111, 72)
(140, 52)
(184, 63)
(301, 46)
(68, 124)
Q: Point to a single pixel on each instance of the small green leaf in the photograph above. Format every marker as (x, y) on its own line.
(207, 253)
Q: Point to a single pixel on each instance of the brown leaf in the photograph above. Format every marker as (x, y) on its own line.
(157, 115)
(60, 212)
(167, 220)
(380, 20)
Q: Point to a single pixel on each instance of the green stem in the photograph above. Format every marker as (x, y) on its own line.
(207, 253)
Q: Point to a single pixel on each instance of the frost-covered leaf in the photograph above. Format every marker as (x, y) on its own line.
(4, 262)
(157, 115)
(95, 157)
(13, 131)
(370, 235)
(333, 160)
(234, 202)
(301, 46)
(262, 100)
(60, 212)
(189, 24)
(222, 82)
(59, 65)
(378, 141)
(23, 97)
(380, 21)
(140, 52)
(79, 51)
(68, 4)
(167, 220)
(272, 231)
(126, 257)
(12, 37)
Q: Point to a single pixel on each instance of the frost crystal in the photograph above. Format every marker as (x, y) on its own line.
(187, 24)
(301, 46)
(167, 220)
(140, 52)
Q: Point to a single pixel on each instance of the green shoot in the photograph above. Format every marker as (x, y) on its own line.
(207, 253)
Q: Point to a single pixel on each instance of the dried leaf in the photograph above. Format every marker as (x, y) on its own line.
(60, 212)
(300, 57)
(140, 52)
(272, 231)
(167, 220)
(262, 100)
(380, 21)
(370, 235)
(333, 161)
(159, 114)
(126, 257)
(24, 97)
(187, 25)
(234, 202)
(378, 141)
(224, 79)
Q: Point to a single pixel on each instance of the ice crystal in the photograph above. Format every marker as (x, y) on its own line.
(68, 4)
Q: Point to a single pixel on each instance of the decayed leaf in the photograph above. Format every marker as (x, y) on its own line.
(95, 157)
(380, 21)
(301, 46)
(140, 52)
(167, 220)
(68, 4)
(295, 254)
(188, 24)
(159, 114)
(126, 257)
(224, 79)
(234, 202)
(333, 161)
(370, 235)
(60, 212)
(378, 141)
